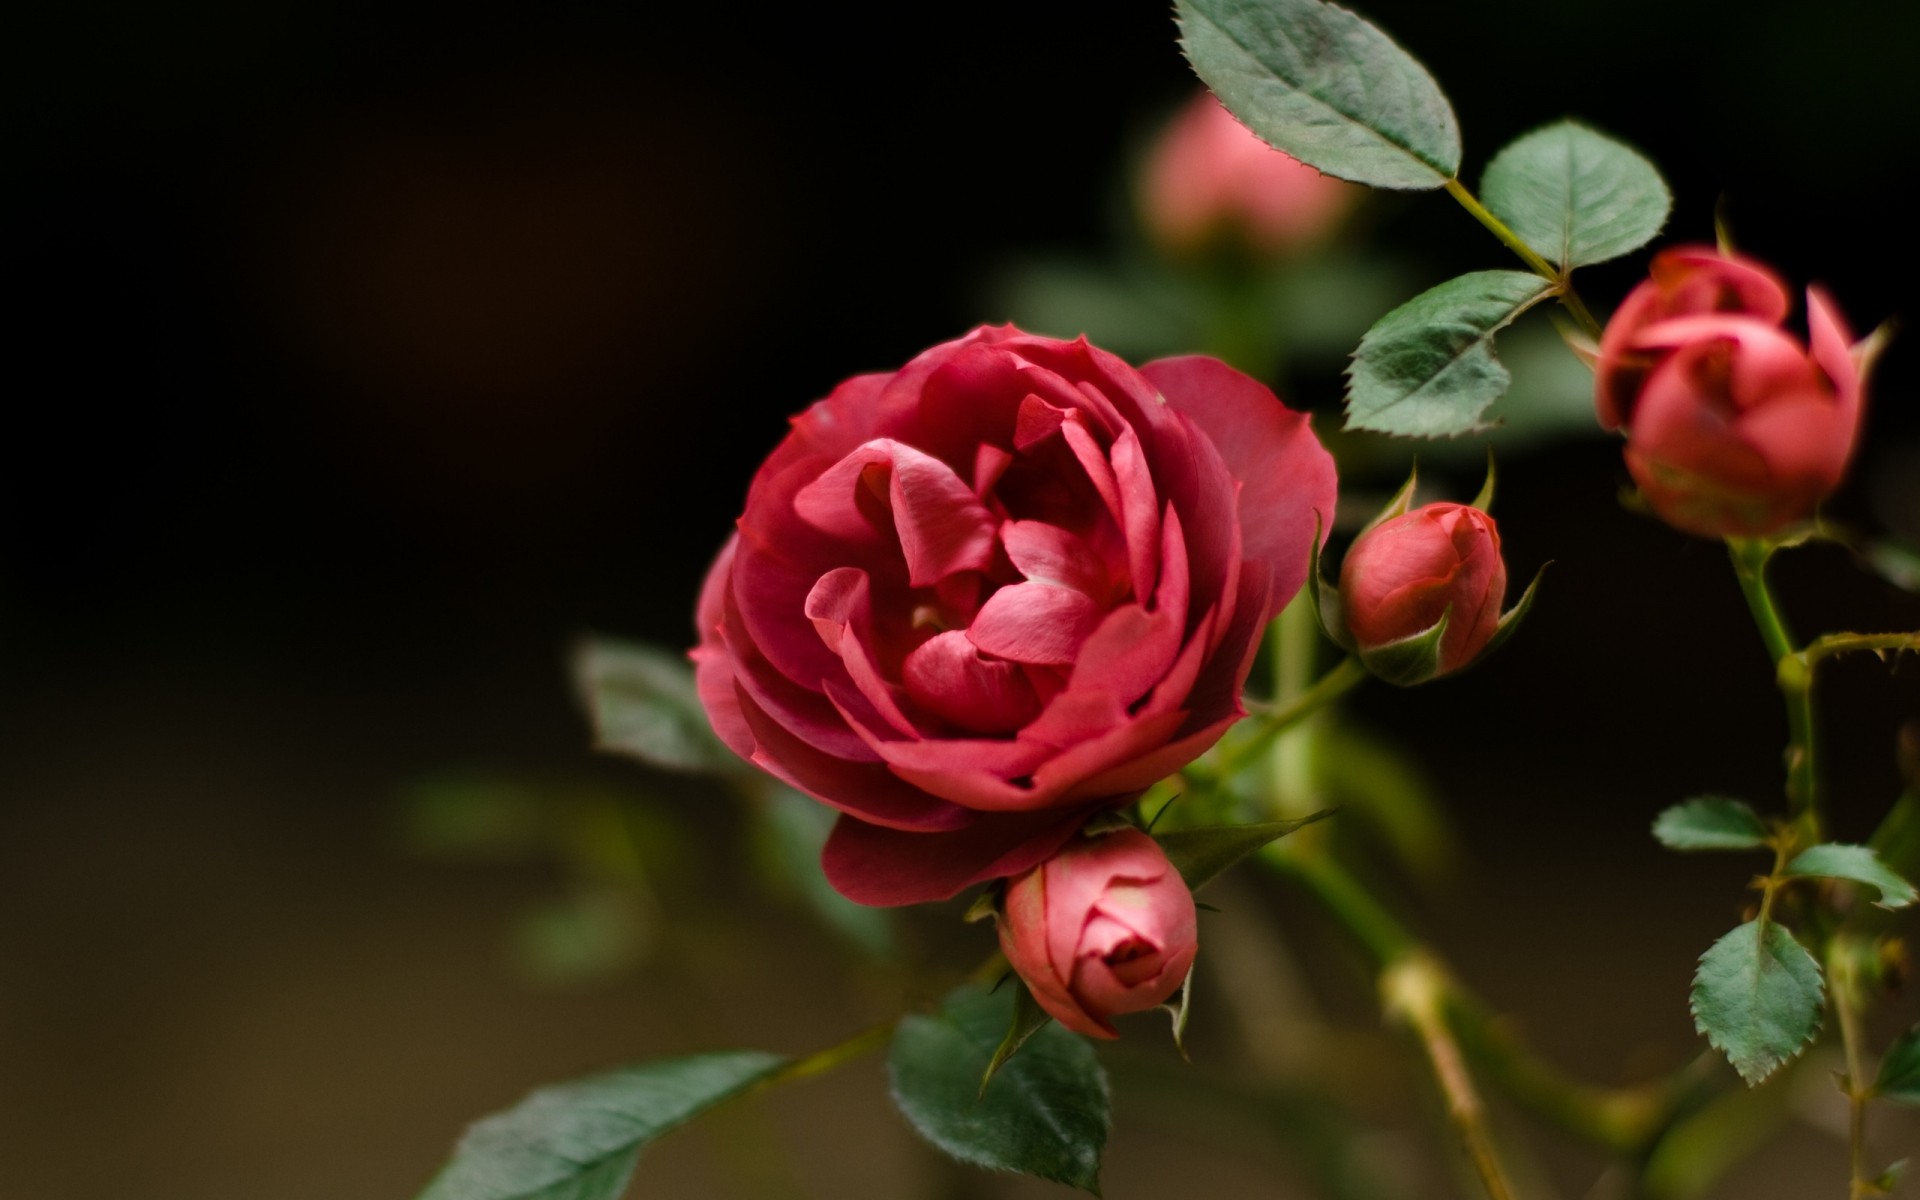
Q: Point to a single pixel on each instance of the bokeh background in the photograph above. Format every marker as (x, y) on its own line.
(362, 357)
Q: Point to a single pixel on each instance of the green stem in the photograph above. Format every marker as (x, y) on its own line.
(1569, 298)
(836, 1055)
(1295, 642)
(1844, 985)
(1328, 688)
(1415, 989)
(1626, 1121)
(1831, 644)
(1793, 672)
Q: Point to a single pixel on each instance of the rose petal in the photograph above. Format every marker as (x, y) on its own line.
(949, 677)
(872, 865)
(1034, 623)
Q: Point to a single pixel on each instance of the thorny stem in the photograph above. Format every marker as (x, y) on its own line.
(1414, 990)
(1841, 972)
(1626, 1121)
(1793, 671)
(1569, 299)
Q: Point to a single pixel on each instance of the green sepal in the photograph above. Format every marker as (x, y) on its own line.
(1046, 1114)
(1411, 660)
(1323, 597)
(1028, 1019)
(1759, 998)
(985, 906)
(1510, 620)
(1179, 1012)
(1899, 1078)
(1855, 864)
(1399, 506)
(1483, 500)
(1711, 823)
(580, 1140)
(1202, 855)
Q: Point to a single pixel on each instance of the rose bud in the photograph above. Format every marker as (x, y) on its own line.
(1420, 592)
(1210, 179)
(977, 600)
(1104, 927)
(1734, 427)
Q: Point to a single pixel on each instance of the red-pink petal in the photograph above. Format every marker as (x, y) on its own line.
(949, 677)
(1034, 623)
(871, 865)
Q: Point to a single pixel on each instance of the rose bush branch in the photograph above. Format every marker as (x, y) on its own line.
(1562, 277)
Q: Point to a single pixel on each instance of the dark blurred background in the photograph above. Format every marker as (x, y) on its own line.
(361, 357)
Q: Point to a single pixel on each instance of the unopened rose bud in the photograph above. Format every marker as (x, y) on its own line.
(1104, 927)
(1209, 178)
(1407, 574)
(1734, 427)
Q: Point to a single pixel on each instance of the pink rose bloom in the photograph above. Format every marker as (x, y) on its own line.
(1104, 927)
(1401, 576)
(1209, 177)
(973, 601)
(1734, 427)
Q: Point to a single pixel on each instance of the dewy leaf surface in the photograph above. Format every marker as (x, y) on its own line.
(1427, 368)
(1855, 864)
(1044, 1112)
(579, 1141)
(1710, 823)
(1576, 196)
(1326, 87)
(1758, 997)
(643, 703)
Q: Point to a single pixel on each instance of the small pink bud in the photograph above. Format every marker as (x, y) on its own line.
(1210, 177)
(1735, 428)
(1104, 927)
(1406, 573)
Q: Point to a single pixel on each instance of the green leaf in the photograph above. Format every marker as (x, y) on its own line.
(1855, 864)
(1899, 1078)
(1326, 87)
(787, 841)
(1710, 823)
(1201, 855)
(1576, 196)
(1758, 997)
(579, 1141)
(643, 704)
(1427, 368)
(1043, 1114)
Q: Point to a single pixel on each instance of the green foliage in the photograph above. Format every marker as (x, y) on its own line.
(1427, 368)
(1710, 823)
(1202, 855)
(1899, 1078)
(1576, 196)
(643, 704)
(1758, 997)
(1044, 1113)
(1855, 864)
(579, 1141)
(1326, 87)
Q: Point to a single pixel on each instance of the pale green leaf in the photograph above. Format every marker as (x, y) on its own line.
(643, 703)
(1326, 87)
(1758, 997)
(1427, 368)
(1044, 1112)
(1855, 864)
(1710, 823)
(579, 1141)
(1576, 196)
